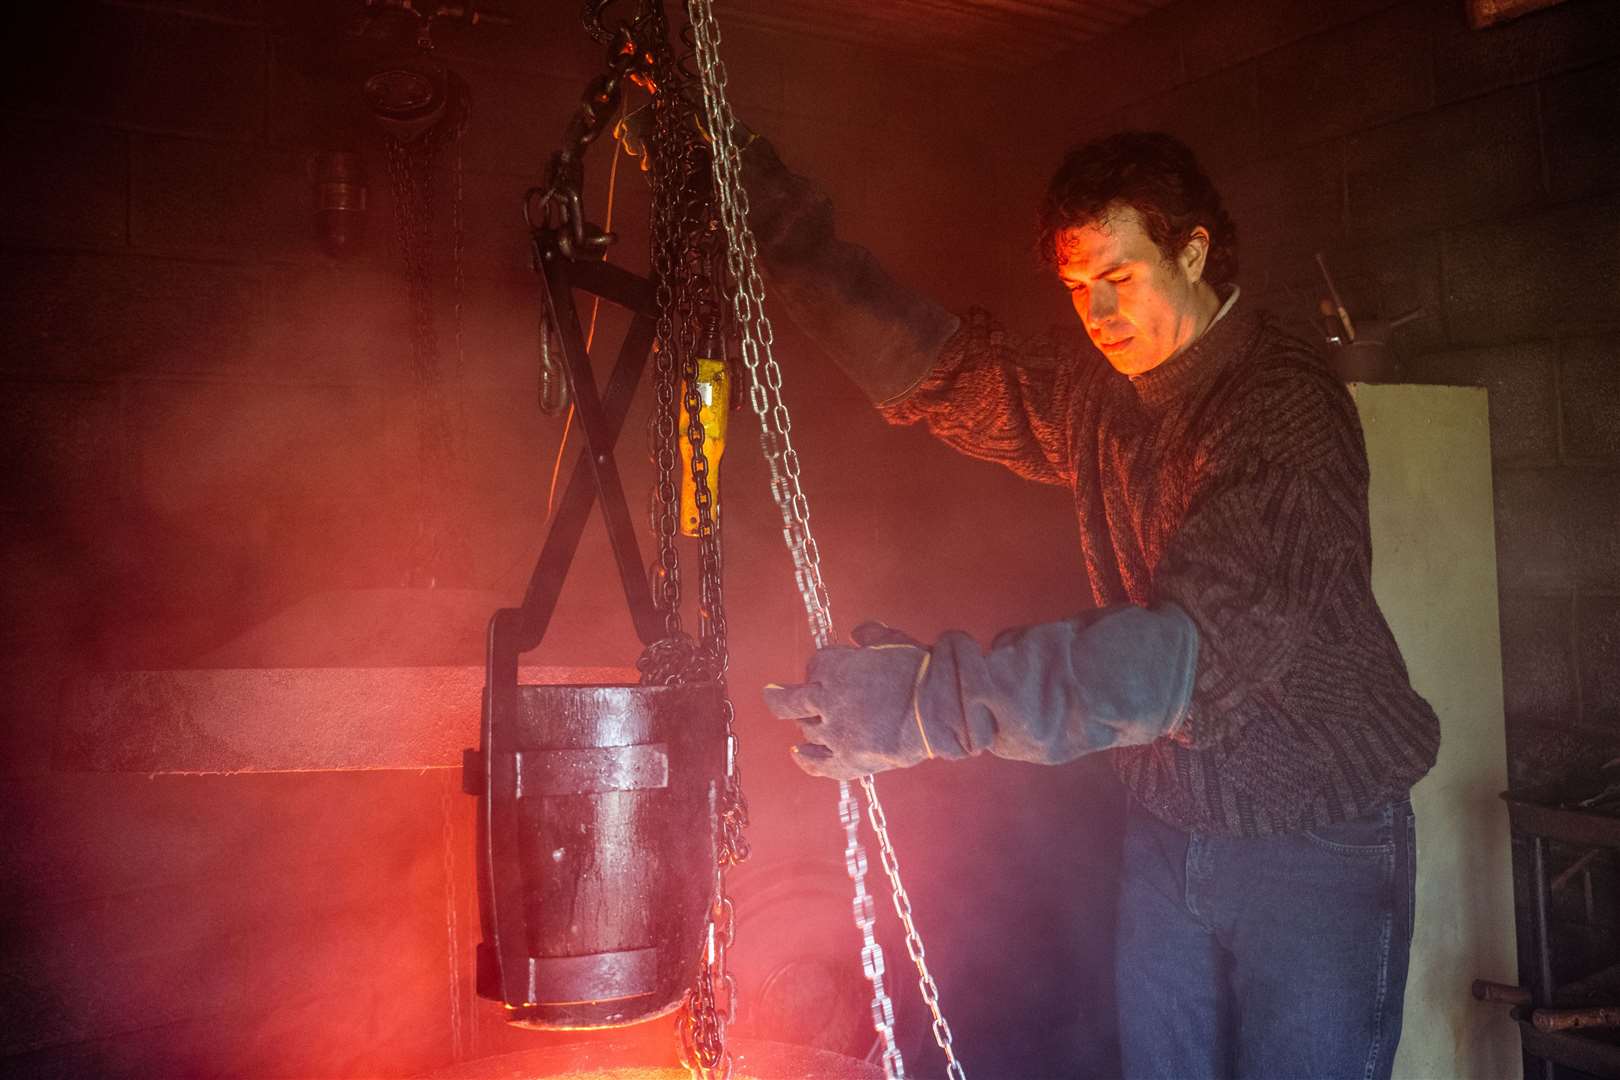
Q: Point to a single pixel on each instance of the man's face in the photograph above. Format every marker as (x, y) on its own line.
(1138, 307)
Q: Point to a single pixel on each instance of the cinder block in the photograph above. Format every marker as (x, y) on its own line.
(495, 240)
(1557, 38)
(67, 187)
(1592, 508)
(253, 494)
(1218, 116)
(139, 67)
(1106, 74)
(1224, 32)
(1286, 208)
(1447, 166)
(1367, 73)
(1598, 644)
(221, 200)
(57, 55)
(1591, 398)
(63, 443)
(545, 38)
(245, 12)
(1523, 405)
(1555, 756)
(211, 451)
(1538, 663)
(1381, 281)
(517, 120)
(1533, 274)
(1582, 131)
(334, 324)
(1534, 548)
(1293, 310)
(315, 93)
(90, 316)
(51, 587)
(756, 76)
(264, 896)
(502, 336)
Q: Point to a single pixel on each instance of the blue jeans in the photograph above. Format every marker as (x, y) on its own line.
(1274, 957)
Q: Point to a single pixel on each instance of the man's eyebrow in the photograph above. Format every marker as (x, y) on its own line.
(1111, 269)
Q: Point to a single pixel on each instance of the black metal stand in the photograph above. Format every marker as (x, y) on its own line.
(1595, 1053)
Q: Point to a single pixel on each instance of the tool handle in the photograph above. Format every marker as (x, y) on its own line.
(1570, 1019)
(1501, 993)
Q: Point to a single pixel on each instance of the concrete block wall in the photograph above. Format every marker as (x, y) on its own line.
(207, 421)
(1469, 173)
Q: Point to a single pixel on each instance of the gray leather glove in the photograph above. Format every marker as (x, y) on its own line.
(857, 705)
(1120, 676)
(885, 335)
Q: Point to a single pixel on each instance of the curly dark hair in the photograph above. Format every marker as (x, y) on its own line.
(1159, 177)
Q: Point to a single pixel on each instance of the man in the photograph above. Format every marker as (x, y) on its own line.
(1236, 665)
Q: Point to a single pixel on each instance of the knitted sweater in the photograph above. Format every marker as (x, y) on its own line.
(1232, 481)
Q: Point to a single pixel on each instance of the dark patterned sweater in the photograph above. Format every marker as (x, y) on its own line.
(1231, 480)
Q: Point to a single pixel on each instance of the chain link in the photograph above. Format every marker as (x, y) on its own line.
(665, 237)
(438, 546)
(685, 239)
(776, 436)
(458, 233)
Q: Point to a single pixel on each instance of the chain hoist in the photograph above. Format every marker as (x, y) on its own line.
(687, 256)
(705, 289)
(765, 396)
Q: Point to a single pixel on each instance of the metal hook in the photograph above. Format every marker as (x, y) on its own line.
(553, 397)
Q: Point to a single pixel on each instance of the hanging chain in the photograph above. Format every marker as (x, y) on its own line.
(665, 173)
(458, 233)
(437, 546)
(775, 433)
(684, 238)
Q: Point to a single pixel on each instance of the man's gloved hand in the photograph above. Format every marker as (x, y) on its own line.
(857, 705)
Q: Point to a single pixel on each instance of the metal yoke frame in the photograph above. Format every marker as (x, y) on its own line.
(514, 631)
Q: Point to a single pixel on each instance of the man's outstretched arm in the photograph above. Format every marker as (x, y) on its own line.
(980, 391)
(1120, 676)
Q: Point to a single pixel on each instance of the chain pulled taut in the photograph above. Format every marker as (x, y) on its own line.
(754, 328)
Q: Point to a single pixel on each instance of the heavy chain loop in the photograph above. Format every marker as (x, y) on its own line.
(664, 170)
(688, 279)
(775, 433)
(689, 282)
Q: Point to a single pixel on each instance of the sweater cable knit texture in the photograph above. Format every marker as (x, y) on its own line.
(1231, 480)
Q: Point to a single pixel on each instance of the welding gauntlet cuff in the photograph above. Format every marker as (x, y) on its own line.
(885, 336)
(1118, 676)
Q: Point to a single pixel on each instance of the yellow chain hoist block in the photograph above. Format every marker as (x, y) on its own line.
(714, 391)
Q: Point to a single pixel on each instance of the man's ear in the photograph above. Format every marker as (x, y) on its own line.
(1194, 254)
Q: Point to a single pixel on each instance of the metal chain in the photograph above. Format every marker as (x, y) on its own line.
(914, 943)
(665, 232)
(775, 429)
(684, 226)
(458, 232)
(410, 166)
(865, 912)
